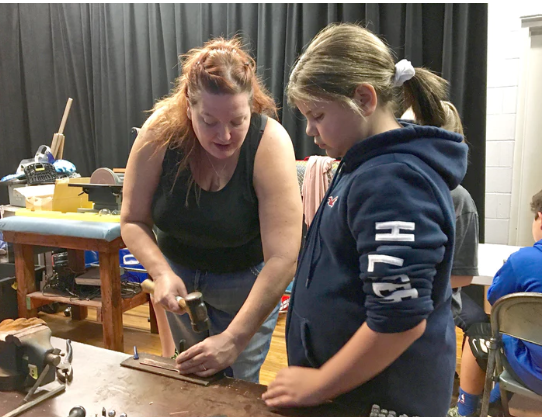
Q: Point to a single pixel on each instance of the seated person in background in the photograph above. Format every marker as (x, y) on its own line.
(465, 263)
(522, 272)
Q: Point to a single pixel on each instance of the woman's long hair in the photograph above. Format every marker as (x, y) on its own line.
(221, 66)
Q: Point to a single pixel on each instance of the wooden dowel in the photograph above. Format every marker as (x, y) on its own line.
(54, 145)
(65, 117)
(60, 152)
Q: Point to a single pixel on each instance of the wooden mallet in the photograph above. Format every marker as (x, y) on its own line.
(57, 144)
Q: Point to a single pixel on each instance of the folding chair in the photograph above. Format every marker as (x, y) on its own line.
(517, 315)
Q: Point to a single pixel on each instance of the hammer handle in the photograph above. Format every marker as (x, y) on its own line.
(148, 287)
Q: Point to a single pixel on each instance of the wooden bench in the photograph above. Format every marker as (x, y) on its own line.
(25, 233)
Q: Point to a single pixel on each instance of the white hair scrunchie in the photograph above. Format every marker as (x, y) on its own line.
(404, 71)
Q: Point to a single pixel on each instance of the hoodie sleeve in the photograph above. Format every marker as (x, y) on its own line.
(504, 282)
(397, 223)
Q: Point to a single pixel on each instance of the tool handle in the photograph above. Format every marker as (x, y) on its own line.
(30, 404)
(65, 116)
(148, 287)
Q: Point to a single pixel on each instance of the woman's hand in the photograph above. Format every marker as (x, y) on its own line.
(295, 387)
(166, 289)
(210, 356)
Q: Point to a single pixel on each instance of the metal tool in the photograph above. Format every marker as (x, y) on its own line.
(37, 384)
(192, 303)
(78, 411)
(64, 370)
(104, 190)
(106, 176)
(38, 400)
(27, 358)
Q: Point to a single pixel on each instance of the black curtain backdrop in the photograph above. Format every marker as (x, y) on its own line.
(116, 60)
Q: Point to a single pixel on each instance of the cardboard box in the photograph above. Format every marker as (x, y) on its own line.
(38, 197)
(16, 199)
(56, 197)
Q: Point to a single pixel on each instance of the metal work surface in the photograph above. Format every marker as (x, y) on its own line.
(99, 381)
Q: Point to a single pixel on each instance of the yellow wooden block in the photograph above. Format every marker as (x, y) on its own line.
(69, 199)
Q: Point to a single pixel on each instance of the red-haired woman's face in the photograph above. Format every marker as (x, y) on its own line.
(221, 122)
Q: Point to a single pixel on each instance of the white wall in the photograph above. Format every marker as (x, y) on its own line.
(505, 40)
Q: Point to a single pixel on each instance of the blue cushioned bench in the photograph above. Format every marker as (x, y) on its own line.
(76, 236)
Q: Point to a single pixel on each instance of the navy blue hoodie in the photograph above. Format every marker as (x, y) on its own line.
(379, 251)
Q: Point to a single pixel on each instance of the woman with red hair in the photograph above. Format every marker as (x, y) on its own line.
(216, 175)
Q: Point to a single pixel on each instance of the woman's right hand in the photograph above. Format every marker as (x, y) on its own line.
(166, 289)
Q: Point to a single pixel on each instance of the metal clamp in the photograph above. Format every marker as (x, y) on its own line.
(64, 370)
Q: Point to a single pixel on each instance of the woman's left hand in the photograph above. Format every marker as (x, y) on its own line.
(209, 356)
(295, 387)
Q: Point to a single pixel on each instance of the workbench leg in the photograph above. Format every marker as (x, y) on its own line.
(76, 262)
(26, 277)
(111, 301)
(79, 312)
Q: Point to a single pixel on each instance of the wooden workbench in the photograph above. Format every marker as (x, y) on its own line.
(99, 381)
(111, 305)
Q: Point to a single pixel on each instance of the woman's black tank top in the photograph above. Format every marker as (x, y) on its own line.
(221, 233)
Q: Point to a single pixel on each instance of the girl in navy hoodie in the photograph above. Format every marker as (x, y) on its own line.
(370, 319)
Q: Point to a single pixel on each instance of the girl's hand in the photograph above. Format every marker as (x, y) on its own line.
(296, 387)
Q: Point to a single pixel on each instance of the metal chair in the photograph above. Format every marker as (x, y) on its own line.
(517, 315)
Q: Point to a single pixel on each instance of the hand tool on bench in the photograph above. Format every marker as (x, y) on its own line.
(64, 370)
(25, 354)
(27, 359)
(30, 404)
(192, 303)
(78, 411)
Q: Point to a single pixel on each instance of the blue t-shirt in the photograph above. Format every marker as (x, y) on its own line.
(379, 251)
(521, 273)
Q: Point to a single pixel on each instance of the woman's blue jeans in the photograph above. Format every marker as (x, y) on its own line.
(224, 295)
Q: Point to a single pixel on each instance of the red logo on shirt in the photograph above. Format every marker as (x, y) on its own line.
(331, 201)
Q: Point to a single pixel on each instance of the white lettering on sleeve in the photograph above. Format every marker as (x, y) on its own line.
(395, 235)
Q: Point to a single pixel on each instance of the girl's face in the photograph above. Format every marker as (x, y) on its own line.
(221, 122)
(334, 126)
